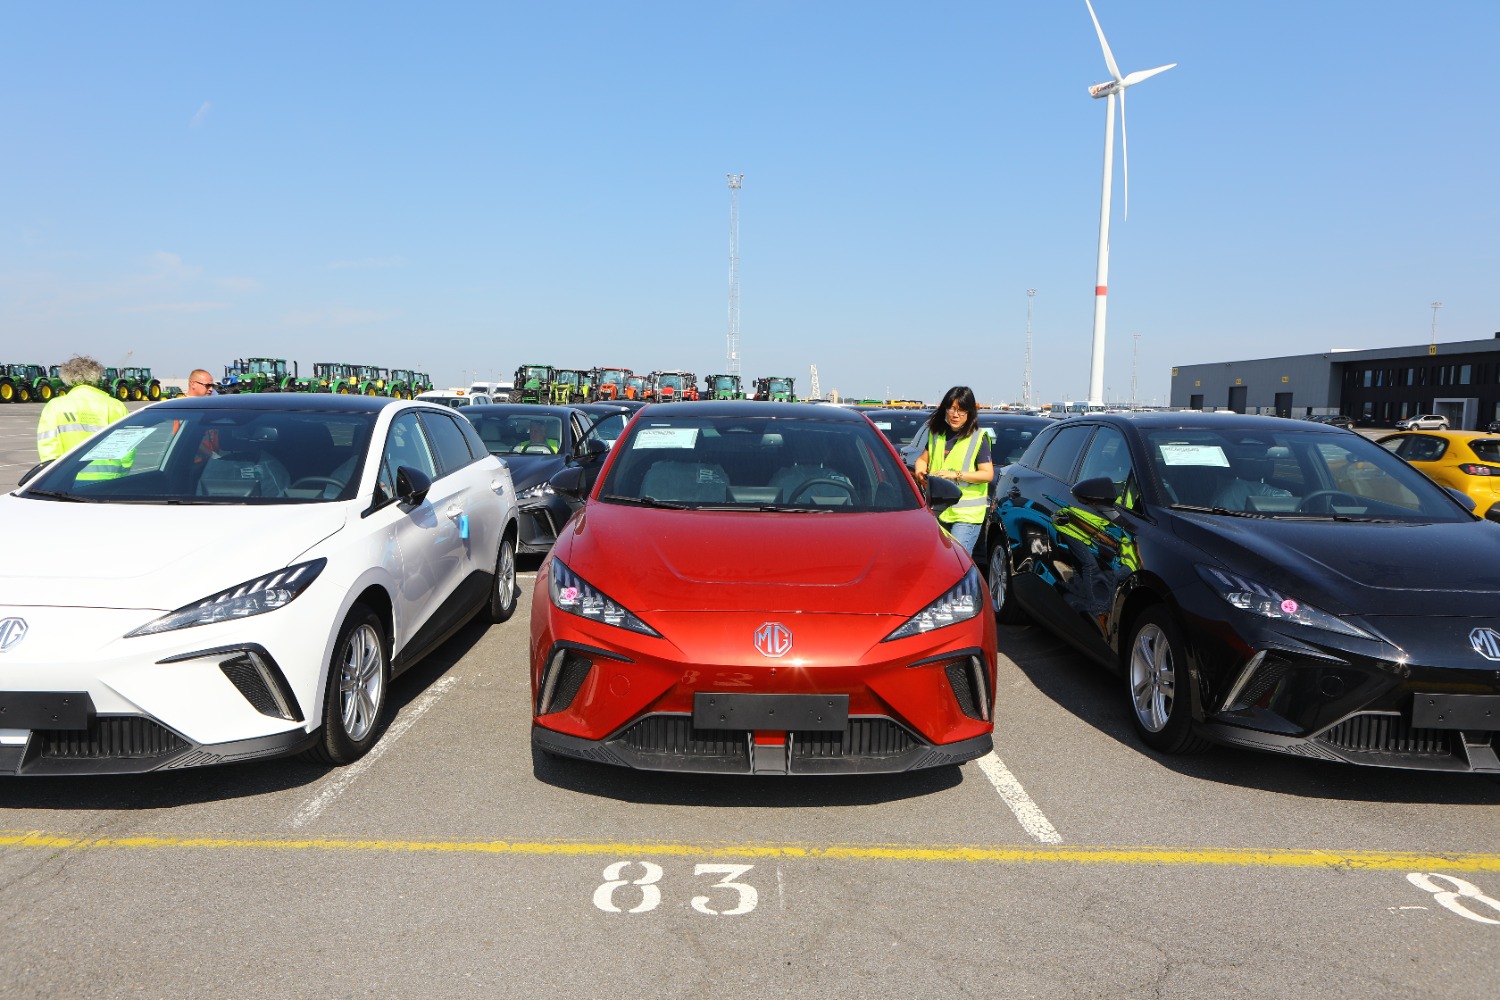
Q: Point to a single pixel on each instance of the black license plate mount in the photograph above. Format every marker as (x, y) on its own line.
(814, 712)
(1456, 711)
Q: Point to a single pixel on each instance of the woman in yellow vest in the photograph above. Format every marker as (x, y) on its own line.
(958, 450)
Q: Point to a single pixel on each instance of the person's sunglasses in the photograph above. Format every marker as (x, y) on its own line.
(204, 385)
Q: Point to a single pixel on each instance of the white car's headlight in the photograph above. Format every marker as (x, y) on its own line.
(962, 602)
(575, 595)
(537, 492)
(1258, 599)
(253, 597)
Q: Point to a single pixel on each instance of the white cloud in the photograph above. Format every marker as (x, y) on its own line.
(201, 114)
(176, 308)
(335, 316)
(238, 284)
(367, 263)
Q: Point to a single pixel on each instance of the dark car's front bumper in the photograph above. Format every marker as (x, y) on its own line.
(668, 742)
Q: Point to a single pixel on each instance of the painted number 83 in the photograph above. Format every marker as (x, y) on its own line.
(646, 891)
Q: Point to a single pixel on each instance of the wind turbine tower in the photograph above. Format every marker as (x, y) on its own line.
(1026, 375)
(1435, 307)
(1116, 85)
(735, 182)
(812, 389)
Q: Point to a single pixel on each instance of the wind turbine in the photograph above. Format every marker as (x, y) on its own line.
(1117, 84)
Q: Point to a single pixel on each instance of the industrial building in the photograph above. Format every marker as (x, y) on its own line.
(1460, 380)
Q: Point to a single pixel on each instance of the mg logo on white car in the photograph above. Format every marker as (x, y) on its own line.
(12, 631)
(773, 639)
(1486, 642)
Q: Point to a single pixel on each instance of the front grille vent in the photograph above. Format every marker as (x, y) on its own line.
(110, 738)
(1387, 734)
(970, 688)
(674, 734)
(862, 738)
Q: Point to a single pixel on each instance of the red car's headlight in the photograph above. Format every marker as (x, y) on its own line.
(962, 602)
(575, 595)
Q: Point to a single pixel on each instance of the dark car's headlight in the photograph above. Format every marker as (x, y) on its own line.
(961, 602)
(575, 595)
(1258, 599)
(540, 491)
(253, 597)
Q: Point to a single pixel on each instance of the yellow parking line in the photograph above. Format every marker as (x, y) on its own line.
(1205, 857)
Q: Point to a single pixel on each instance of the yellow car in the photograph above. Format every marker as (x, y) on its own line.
(1467, 461)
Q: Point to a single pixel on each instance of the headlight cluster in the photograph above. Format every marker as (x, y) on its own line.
(575, 595)
(253, 597)
(962, 602)
(1258, 599)
(537, 492)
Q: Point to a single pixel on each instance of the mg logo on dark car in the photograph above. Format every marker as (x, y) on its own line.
(773, 639)
(13, 630)
(1486, 642)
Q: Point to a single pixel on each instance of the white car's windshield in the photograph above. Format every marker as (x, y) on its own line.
(205, 455)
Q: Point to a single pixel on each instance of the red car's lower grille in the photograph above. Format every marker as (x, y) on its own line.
(675, 734)
(861, 738)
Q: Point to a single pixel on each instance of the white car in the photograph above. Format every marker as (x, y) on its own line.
(1426, 422)
(234, 577)
(456, 400)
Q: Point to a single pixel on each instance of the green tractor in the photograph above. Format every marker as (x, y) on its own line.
(401, 383)
(372, 381)
(420, 382)
(722, 387)
(533, 384)
(333, 376)
(26, 384)
(775, 389)
(573, 385)
(126, 384)
(260, 375)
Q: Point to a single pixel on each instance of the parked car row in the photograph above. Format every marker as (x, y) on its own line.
(735, 588)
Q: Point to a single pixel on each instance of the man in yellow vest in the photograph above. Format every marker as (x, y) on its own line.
(85, 410)
(958, 450)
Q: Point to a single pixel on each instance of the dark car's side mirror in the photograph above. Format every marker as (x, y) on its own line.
(31, 472)
(569, 482)
(942, 494)
(412, 485)
(1096, 492)
(593, 449)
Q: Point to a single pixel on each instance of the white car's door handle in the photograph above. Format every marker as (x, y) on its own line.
(455, 511)
(498, 486)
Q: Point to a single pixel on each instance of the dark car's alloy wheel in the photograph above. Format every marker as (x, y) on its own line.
(1007, 611)
(1158, 676)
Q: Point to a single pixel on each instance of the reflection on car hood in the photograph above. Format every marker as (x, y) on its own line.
(528, 470)
(664, 560)
(1359, 567)
(148, 556)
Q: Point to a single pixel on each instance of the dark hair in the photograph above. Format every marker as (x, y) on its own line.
(937, 422)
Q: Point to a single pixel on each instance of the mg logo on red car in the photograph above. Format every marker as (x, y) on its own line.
(13, 630)
(1486, 642)
(773, 639)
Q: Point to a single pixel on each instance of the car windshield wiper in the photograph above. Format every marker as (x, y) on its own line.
(770, 508)
(57, 495)
(1225, 511)
(649, 502)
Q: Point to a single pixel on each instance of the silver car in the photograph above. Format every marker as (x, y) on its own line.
(1426, 422)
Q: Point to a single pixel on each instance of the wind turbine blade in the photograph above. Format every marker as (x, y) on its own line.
(1144, 74)
(1125, 153)
(1109, 57)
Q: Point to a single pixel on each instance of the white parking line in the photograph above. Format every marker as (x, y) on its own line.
(313, 807)
(1027, 812)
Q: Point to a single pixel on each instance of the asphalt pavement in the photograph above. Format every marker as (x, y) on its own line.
(452, 861)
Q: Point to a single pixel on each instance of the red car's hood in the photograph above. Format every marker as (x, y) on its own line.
(672, 560)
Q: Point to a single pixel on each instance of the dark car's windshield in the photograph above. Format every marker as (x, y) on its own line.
(519, 431)
(756, 462)
(211, 455)
(899, 428)
(1294, 474)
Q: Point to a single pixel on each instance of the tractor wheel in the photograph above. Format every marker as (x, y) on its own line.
(371, 391)
(23, 393)
(154, 392)
(44, 391)
(343, 389)
(122, 392)
(7, 392)
(135, 393)
(514, 395)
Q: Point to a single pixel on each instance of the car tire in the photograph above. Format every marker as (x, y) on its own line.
(353, 719)
(503, 596)
(1002, 593)
(1158, 681)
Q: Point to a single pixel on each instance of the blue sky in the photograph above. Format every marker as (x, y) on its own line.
(466, 187)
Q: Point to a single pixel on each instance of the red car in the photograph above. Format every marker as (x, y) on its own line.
(759, 590)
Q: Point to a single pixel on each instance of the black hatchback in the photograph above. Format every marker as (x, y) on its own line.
(1262, 582)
